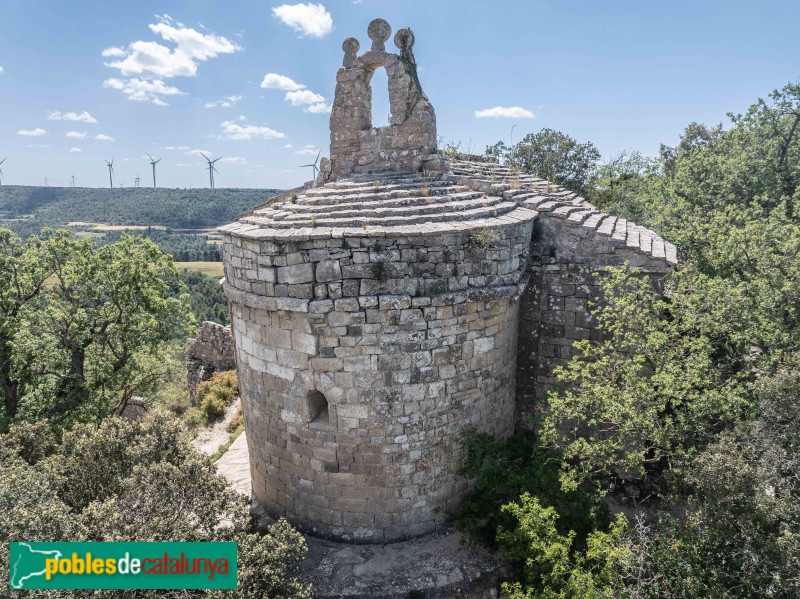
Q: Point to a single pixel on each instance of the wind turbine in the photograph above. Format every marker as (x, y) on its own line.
(1, 170)
(137, 179)
(73, 180)
(121, 185)
(211, 168)
(110, 172)
(154, 163)
(314, 167)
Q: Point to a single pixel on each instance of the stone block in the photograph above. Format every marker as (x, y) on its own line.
(298, 273)
(328, 271)
(394, 302)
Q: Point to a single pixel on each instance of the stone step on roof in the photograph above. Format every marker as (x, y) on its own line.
(335, 199)
(349, 188)
(454, 212)
(465, 201)
(556, 202)
(386, 176)
(367, 202)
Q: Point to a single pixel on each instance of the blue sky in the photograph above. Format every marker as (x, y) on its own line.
(172, 78)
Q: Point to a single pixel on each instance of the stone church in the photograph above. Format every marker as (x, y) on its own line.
(404, 296)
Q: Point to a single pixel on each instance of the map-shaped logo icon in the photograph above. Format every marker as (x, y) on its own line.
(28, 563)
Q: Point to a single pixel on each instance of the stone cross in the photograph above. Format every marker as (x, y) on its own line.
(379, 31)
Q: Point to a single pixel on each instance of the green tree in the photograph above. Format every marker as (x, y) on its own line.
(85, 330)
(553, 567)
(24, 269)
(622, 186)
(554, 156)
(657, 388)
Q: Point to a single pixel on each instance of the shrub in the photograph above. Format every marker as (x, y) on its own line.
(503, 471)
(236, 422)
(140, 481)
(483, 238)
(216, 394)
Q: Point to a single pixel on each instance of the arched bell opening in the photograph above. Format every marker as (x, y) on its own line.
(380, 114)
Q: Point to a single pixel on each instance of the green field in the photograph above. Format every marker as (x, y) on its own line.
(212, 269)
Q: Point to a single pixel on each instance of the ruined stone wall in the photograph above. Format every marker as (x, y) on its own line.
(570, 248)
(211, 351)
(409, 340)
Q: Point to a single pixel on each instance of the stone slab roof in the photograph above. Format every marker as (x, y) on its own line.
(379, 206)
(471, 194)
(549, 199)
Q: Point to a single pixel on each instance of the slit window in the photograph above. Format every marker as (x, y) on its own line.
(317, 407)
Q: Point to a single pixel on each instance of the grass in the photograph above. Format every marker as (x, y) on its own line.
(227, 445)
(102, 227)
(212, 269)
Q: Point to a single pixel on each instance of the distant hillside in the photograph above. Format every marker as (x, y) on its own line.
(28, 209)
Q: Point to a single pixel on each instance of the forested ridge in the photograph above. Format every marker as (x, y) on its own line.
(36, 207)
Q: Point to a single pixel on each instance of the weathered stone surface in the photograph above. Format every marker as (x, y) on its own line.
(409, 142)
(211, 351)
(297, 273)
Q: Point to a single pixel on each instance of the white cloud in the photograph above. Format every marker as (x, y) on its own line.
(140, 90)
(148, 60)
(114, 52)
(75, 135)
(75, 150)
(501, 112)
(242, 117)
(297, 94)
(184, 164)
(309, 19)
(233, 160)
(275, 81)
(231, 130)
(320, 108)
(38, 146)
(104, 137)
(309, 150)
(38, 132)
(2, 70)
(199, 153)
(181, 148)
(288, 146)
(226, 102)
(152, 60)
(303, 97)
(83, 117)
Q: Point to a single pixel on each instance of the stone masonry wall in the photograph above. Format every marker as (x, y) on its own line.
(211, 351)
(410, 340)
(567, 259)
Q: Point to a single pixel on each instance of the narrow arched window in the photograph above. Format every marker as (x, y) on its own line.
(317, 407)
(380, 110)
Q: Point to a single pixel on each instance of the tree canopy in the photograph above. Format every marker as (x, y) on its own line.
(83, 329)
(689, 405)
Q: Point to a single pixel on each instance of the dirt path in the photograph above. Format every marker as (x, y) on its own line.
(209, 439)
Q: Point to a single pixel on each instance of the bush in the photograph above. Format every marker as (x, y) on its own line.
(503, 471)
(138, 481)
(215, 395)
(236, 422)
